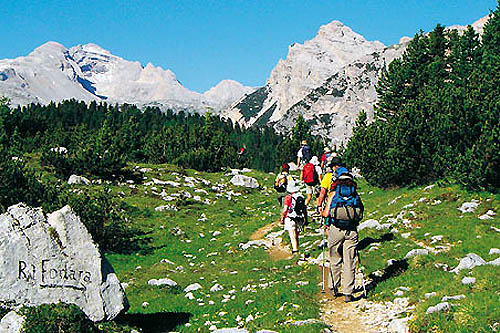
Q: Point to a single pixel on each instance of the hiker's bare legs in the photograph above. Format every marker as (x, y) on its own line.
(308, 198)
(294, 239)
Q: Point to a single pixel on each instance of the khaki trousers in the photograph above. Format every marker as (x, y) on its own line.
(342, 249)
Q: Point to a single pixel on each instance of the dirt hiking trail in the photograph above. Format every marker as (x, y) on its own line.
(359, 316)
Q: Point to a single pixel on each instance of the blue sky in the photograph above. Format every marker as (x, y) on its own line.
(204, 42)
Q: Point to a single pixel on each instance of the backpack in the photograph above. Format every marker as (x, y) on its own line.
(345, 205)
(310, 175)
(298, 210)
(306, 153)
(281, 183)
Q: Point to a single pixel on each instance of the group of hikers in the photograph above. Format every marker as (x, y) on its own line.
(338, 207)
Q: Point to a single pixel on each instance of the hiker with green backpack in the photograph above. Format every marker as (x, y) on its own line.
(342, 212)
(294, 214)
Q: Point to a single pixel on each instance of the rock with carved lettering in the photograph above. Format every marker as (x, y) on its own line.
(51, 259)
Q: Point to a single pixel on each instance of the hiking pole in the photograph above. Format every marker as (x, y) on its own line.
(362, 276)
(323, 266)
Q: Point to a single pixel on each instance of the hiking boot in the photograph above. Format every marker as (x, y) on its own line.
(348, 298)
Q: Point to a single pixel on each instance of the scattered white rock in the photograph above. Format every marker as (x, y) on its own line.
(189, 296)
(427, 188)
(469, 207)
(394, 200)
(416, 252)
(78, 180)
(166, 208)
(468, 280)
(162, 282)
(231, 330)
(145, 304)
(468, 262)
(216, 287)
(488, 215)
(438, 308)
(429, 295)
(452, 298)
(494, 250)
(368, 224)
(192, 287)
(245, 181)
(249, 318)
(166, 261)
(399, 325)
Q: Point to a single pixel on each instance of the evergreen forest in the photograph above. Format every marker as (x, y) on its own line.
(438, 113)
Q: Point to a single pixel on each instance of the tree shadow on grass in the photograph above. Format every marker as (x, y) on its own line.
(365, 242)
(154, 322)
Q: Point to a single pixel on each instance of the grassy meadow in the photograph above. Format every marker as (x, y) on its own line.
(200, 242)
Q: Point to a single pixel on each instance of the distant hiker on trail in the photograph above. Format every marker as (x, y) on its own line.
(281, 182)
(241, 161)
(294, 214)
(303, 156)
(312, 178)
(342, 212)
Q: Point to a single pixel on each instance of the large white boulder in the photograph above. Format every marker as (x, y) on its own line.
(54, 259)
(245, 181)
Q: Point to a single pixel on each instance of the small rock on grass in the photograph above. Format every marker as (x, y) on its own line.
(438, 308)
(494, 251)
(452, 298)
(429, 295)
(416, 252)
(468, 262)
(162, 282)
(468, 280)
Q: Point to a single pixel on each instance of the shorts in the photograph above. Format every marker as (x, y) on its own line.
(290, 224)
(310, 189)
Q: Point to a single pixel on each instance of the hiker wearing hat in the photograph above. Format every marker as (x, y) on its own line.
(303, 156)
(342, 241)
(293, 214)
(312, 177)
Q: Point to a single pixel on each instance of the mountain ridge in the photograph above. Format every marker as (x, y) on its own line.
(88, 72)
(332, 102)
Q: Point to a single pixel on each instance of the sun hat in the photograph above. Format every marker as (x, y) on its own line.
(314, 160)
(327, 150)
(304, 142)
(292, 187)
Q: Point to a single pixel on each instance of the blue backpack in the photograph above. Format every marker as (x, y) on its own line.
(306, 153)
(346, 207)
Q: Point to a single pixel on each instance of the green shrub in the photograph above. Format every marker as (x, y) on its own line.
(107, 221)
(57, 318)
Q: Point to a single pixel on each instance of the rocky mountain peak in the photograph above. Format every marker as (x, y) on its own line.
(49, 48)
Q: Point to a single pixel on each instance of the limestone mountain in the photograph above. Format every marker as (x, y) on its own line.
(328, 80)
(88, 72)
